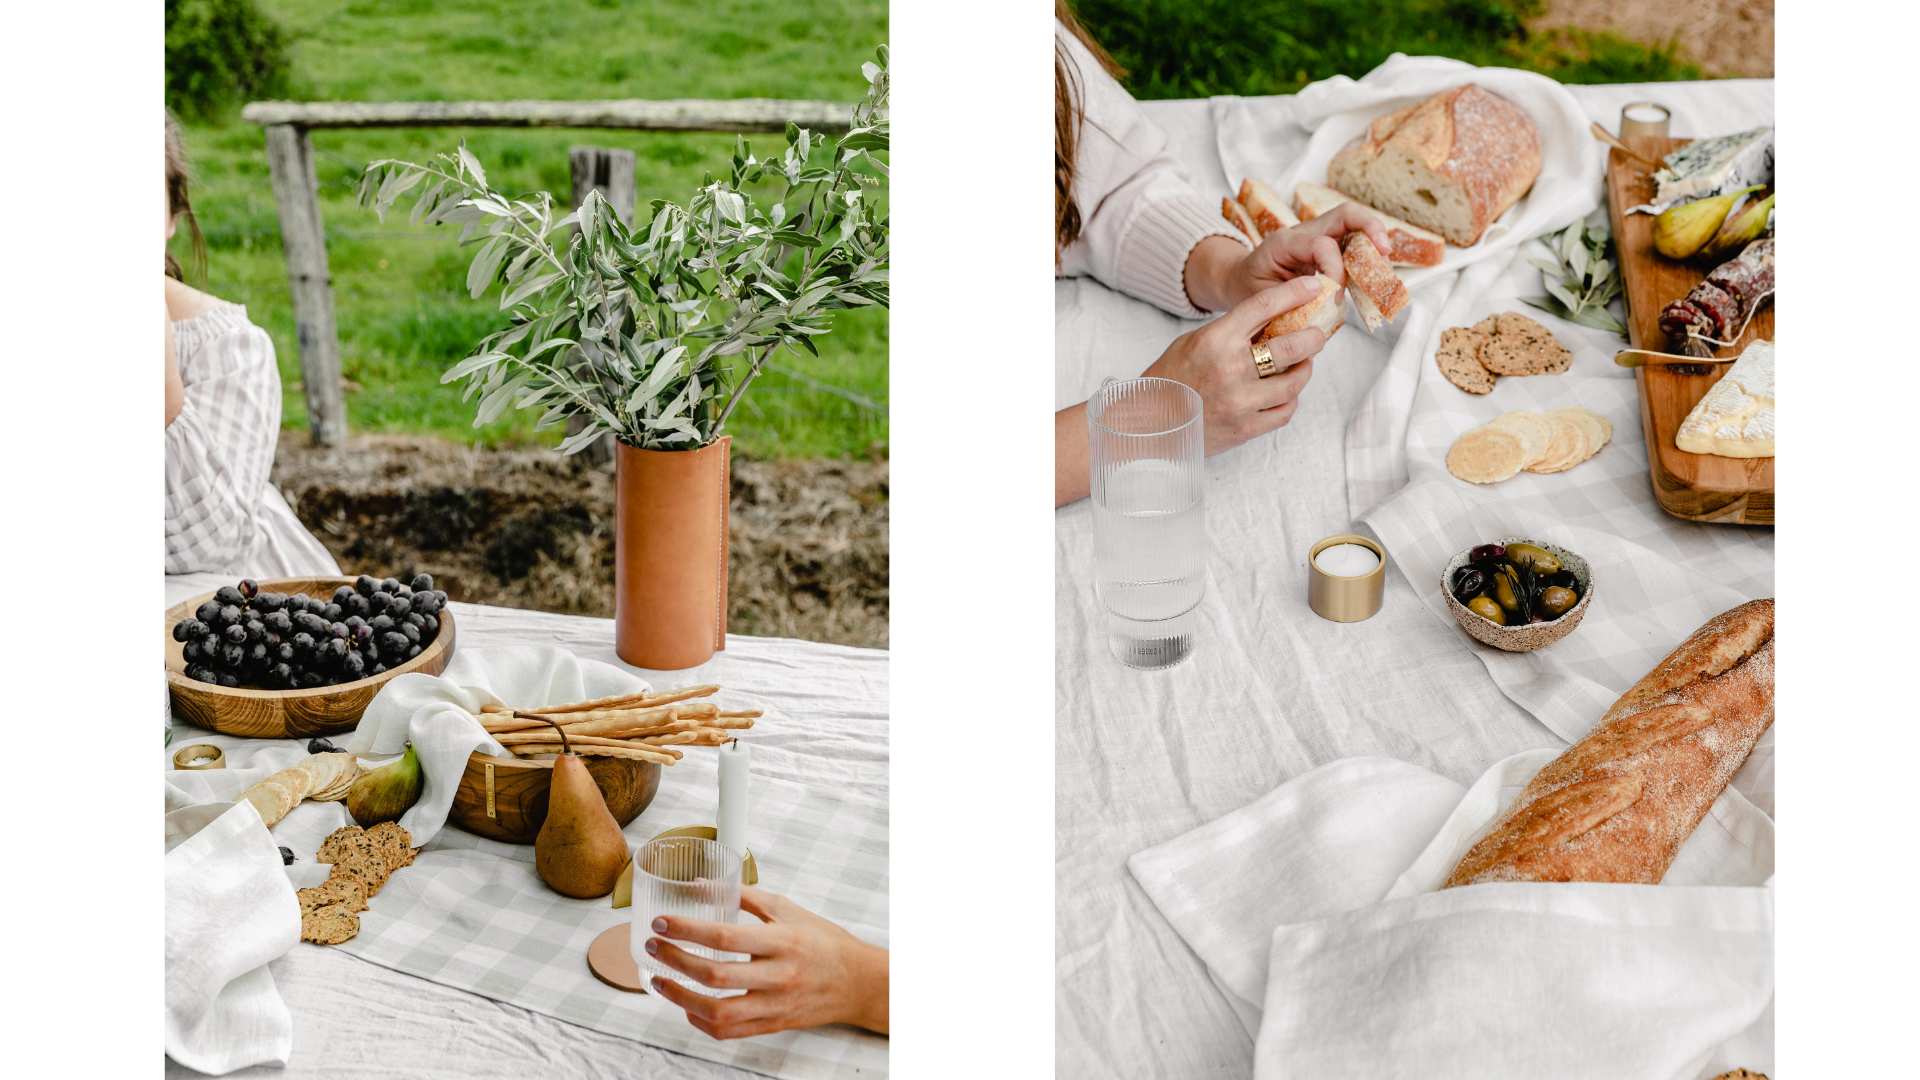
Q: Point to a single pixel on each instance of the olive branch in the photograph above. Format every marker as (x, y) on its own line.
(634, 330)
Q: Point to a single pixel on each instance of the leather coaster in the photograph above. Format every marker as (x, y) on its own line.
(611, 959)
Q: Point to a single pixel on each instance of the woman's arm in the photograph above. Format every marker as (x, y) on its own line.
(219, 450)
(176, 393)
(1216, 360)
(804, 972)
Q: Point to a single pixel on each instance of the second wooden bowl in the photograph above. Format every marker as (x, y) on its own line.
(286, 714)
(505, 798)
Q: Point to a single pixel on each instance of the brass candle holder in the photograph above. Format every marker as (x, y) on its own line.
(1632, 128)
(186, 754)
(1346, 599)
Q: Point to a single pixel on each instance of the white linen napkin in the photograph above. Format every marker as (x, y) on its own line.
(230, 909)
(1315, 909)
(1338, 109)
(438, 714)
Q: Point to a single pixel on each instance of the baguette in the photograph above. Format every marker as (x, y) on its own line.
(1324, 311)
(1412, 245)
(1620, 802)
(1377, 292)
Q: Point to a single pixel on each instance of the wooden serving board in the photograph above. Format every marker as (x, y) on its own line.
(1698, 487)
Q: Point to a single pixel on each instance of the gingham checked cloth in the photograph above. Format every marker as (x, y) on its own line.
(471, 914)
(1273, 691)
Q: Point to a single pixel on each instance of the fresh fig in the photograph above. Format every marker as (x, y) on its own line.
(1739, 230)
(1685, 229)
(387, 792)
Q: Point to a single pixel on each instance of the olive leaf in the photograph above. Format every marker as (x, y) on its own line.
(635, 331)
(1582, 280)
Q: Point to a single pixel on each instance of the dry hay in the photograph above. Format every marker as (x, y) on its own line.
(532, 529)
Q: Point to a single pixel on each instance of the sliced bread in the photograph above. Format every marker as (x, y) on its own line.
(1412, 245)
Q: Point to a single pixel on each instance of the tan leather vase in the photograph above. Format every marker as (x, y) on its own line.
(670, 554)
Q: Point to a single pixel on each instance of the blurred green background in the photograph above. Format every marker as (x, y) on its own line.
(403, 313)
(1198, 48)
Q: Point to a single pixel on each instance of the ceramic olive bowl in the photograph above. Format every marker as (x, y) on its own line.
(1530, 636)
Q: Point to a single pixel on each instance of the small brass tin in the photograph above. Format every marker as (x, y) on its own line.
(1630, 128)
(197, 750)
(1346, 599)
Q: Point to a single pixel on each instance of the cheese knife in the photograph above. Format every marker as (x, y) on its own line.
(1640, 358)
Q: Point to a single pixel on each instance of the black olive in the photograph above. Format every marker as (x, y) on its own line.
(1487, 551)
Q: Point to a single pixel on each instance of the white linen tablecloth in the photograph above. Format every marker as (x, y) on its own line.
(1273, 690)
(478, 970)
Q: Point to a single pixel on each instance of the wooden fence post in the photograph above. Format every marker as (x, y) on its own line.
(610, 172)
(296, 192)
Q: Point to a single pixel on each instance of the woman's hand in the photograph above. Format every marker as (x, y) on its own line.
(805, 971)
(1217, 362)
(1221, 272)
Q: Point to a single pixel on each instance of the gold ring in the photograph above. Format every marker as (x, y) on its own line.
(1262, 359)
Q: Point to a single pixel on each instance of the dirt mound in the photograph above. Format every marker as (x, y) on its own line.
(533, 529)
(1725, 37)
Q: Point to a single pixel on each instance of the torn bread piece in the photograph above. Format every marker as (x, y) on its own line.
(1242, 220)
(1412, 245)
(1377, 292)
(1324, 311)
(1268, 209)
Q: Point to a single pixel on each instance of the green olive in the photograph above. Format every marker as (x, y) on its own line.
(1488, 610)
(1558, 601)
(1502, 589)
(1543, 561)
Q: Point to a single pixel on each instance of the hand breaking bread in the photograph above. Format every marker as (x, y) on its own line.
(1324, 311)
(1619, 803)
(1377, 292)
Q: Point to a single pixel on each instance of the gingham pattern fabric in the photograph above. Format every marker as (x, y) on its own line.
(471, 917)
(1273, 690)
(222, 514)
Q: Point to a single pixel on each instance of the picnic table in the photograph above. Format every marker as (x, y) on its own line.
(1274, 691)
(465, 965)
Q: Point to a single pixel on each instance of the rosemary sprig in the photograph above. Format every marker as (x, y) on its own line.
(1583, 280)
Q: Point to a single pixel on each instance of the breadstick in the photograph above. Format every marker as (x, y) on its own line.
(639, 699)
(695, 737)
(739, 714)
(633, 753)
(527, 738)
(525, 721)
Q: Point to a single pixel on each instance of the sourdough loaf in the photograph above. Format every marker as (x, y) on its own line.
(1620, 802)
(1452, 163)
(1412, 245)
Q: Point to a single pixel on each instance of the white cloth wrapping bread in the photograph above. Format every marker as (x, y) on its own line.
(229, 910)
(438, 714)
(1336, 110)
(1317, 910)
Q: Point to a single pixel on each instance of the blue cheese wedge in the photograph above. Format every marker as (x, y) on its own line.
(1735, 419)
(1716, 166)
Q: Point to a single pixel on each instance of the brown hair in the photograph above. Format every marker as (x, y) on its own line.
(1067, 114)
(178, 205)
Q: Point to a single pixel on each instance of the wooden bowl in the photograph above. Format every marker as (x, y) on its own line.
(1532, 635)
(505, 798)
(286, 714)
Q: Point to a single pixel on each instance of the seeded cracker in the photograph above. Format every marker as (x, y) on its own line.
(1524, 347)
(329, 925)
(1459, 360)
(347, 891)
(1486, 455)
(330, 847)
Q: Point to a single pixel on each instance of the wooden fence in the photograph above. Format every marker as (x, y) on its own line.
(297, 197)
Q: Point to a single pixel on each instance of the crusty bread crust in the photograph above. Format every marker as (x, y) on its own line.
(1369, 275)
(1620, 802)
(1323, 311)
(1452, 163)
(1411, 244)
(1268, 209)
(1237, 214)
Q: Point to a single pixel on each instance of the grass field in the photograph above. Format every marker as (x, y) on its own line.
(1198, 48)
(403, 313)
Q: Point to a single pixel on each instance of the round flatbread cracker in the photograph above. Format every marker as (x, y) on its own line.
(1569, 448)
(1606, 425)
(1589, 425)
(1486, 455)
(1534, 430)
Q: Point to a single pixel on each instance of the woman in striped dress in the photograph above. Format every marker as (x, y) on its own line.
(223, 420)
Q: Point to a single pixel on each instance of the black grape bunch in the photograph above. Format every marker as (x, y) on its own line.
(271, 641)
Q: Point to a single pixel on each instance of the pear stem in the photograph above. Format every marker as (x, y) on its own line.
(564, 748)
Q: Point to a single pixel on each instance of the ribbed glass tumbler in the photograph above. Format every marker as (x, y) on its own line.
(686, 877)
(1145, 444)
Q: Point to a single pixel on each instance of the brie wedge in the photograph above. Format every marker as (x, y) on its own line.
(1735, 419)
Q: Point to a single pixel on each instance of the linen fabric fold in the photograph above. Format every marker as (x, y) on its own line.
(229, 910)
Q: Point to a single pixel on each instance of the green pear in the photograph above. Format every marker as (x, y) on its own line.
(387, 792)
(1685, 229)
(1739, 230)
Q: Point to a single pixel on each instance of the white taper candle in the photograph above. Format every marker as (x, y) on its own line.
(732, 824)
